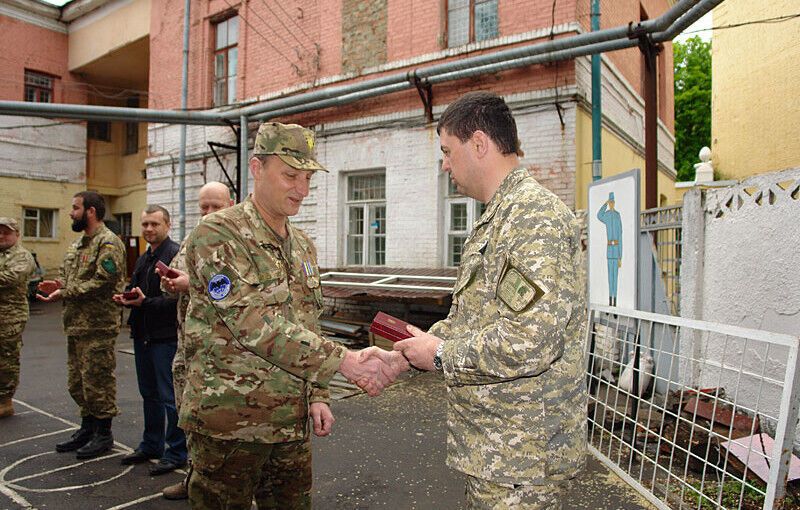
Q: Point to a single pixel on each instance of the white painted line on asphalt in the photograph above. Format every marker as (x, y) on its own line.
(135, 502)
(125, 448)
(56, 470)
(13, 496)
(12, 485)
(31, 438)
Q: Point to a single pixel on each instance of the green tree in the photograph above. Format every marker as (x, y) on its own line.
(692, 103)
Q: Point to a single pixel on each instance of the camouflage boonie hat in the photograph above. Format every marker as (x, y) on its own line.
(292, 143)
(9, 222)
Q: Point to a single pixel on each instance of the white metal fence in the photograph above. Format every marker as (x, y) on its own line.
(712, 401)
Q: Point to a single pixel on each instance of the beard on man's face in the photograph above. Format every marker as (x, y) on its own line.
(80, 224)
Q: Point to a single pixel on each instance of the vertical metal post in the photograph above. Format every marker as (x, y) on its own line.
(245, 165)
(782, 449)
(650, 52)
(184, 101)
(597, 110)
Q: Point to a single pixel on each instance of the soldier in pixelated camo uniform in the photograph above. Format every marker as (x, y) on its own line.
(261, 369)
(511, 349)
(16, 266)
(93, 271)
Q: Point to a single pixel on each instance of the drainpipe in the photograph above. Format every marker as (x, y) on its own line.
(184, 98)
(597, 110)
(244, 168)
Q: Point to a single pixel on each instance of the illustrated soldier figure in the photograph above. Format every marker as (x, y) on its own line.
(16, 266)
(611, 219)
(511, 348)
(92, 273)
(259, 377)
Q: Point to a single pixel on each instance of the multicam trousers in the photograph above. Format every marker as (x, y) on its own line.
(9, 364)
(228, 474)
(90, 375)
(486, 495)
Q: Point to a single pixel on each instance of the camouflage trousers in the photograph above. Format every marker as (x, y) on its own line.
(486, 495)
(9, 364)
(90, 374)
(229, 474)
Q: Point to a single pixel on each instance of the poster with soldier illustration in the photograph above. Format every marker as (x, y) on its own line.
(613, 218)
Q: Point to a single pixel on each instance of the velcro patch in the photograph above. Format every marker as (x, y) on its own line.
(219, 286)
(516, 291)
(109, 265)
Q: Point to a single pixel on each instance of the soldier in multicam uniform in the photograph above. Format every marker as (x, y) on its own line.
(93, 271)
(511, 349)
(16, 265)
(261, 368)
(213, 196)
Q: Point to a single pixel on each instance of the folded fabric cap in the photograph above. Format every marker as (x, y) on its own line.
(9, 222)
(292, 143)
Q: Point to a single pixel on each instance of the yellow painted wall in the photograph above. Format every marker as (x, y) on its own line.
(97, 35)
(108, 168)
(755, 89)
(17, 193)
(618, 157)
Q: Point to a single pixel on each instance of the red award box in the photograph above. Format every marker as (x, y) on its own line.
(390, 328)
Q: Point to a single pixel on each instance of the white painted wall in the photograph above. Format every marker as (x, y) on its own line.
(50, 152)
(740, 267)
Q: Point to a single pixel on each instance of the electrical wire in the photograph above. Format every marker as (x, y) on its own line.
(283, 25)
(260, 34)
(294, 22)
(765, 21)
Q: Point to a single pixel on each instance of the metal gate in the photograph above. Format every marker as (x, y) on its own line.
(664, 226)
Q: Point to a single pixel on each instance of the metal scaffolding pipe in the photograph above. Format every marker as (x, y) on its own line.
(244, 168)
(184, 102)
(109, 113)
(336, 101)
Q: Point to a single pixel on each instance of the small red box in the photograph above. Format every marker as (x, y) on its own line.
(390, 328)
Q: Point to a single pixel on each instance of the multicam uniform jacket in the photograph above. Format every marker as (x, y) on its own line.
(513, 341)
(253, 317)
(93, 271)
(16, 266)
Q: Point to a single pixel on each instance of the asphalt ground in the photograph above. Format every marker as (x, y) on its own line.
(385, 453)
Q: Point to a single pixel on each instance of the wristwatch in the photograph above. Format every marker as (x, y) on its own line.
(437, 357)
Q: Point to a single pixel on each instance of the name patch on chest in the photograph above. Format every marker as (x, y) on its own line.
(219, 286)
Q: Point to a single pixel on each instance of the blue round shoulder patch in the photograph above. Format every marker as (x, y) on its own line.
(219, 286)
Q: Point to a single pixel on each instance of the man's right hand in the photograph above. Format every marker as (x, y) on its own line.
(49, 298)
(373, 369)
(49, 286)
(175, 285)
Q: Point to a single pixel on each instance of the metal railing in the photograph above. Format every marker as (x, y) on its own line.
(664, 224)
(714, 421)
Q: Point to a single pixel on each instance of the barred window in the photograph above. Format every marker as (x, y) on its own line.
(366, 219)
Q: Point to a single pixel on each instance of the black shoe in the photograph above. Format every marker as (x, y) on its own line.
(137, 457)
(101, 442)
(165, 466)
(80, 437)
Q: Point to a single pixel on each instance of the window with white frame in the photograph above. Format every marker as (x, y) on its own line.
(366, 219)
(39, 223)
(471, 21)
(460, 214)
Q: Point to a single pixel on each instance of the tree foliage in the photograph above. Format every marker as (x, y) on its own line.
(692, 103)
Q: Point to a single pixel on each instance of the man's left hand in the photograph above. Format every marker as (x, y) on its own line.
(419, 349)
(134, 302)
(322, 418)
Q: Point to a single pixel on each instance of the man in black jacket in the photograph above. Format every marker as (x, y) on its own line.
(153, 325)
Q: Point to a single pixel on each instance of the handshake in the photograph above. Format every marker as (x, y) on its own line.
(373, 369)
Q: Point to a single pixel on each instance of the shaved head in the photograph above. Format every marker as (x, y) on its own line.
(213, 197)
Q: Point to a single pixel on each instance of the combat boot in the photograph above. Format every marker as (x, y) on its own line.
(80, 437)
(6, 408)
(102, 441)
